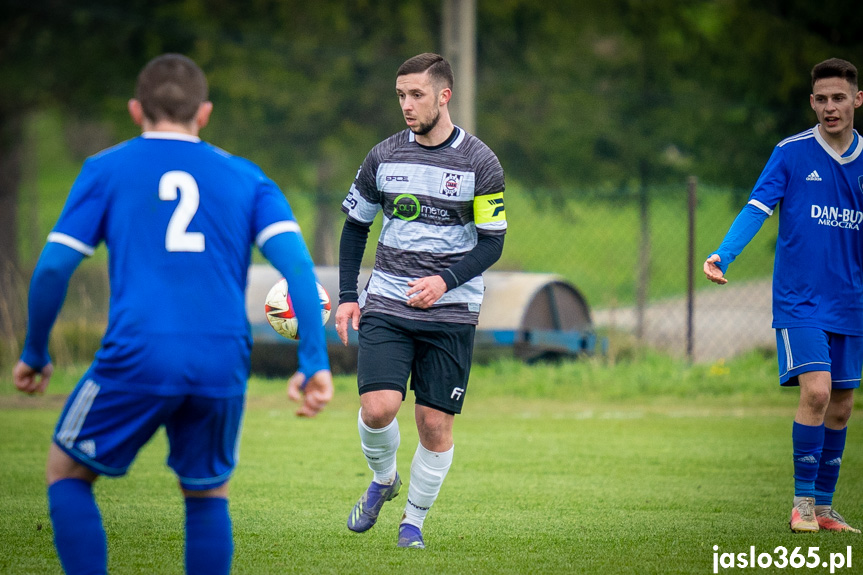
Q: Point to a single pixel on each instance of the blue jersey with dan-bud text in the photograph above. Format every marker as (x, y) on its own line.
(818, 272)
(179, 218)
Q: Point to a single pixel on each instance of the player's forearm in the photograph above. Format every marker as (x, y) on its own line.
(351, 248)
(47, 293)
(484, 254)
(745, 226)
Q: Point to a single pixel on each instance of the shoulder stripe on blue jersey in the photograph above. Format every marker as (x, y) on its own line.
(276, 229)
(761, 207)
(69, 241)
(801, 136)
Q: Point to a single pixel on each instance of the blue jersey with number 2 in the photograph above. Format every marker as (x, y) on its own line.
(179, 217)
(818, 272)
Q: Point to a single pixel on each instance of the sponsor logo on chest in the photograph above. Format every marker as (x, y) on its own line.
(837, 217)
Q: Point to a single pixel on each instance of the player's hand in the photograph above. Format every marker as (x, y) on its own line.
(347, 313)
(314, 395)
(424, 292)
(31, 381)
(712, 271)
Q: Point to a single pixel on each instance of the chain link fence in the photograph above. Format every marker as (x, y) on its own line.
(635, 255)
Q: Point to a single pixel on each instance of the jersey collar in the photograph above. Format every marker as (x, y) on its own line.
(170, 136)
(853, 151)
(455, 138)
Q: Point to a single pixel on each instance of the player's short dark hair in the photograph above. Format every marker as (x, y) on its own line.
(835, 68)
(438, 68)
(171, 87)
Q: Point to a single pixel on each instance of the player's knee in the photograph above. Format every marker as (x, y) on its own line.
(839, 410)
(378, 417)
(435, 432)
(815, 400)
(837, 420)
(61, 466)
(380, 408)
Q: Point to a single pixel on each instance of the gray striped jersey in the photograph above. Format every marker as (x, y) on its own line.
(433, 202)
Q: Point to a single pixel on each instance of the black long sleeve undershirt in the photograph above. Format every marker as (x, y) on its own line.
(352, 245)
(487, 250)
(351, 248)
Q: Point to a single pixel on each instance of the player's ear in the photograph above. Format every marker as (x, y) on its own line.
(203, 116)
(812, 101)
(858, 99)
(444, 97)
(136, 111)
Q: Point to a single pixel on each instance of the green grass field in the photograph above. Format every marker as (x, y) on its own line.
(576, 468)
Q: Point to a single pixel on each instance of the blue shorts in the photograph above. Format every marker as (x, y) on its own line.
(103, 429)
(804, 349)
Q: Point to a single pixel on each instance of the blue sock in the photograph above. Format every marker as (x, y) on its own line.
(828, 468)
(78, 533)
(808, 440)
(209, 541)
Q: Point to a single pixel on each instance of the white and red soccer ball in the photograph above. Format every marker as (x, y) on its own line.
(280, 310)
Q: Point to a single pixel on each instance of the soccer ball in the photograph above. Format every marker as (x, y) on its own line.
(280, 310)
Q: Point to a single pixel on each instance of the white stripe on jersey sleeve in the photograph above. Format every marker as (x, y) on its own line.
(761, 207)
(69, 241)
(810, 133)
(276, 229)
(493, 226)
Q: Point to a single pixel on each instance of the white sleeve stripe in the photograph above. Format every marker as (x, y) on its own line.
(69, 241)
(761, 207)
(276, 229)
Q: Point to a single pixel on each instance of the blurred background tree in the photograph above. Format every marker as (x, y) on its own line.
(611, 99)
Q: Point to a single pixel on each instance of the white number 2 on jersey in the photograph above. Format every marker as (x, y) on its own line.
(177, 239)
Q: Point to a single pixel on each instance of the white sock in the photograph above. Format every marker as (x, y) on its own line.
(428, 470)
(380, 447)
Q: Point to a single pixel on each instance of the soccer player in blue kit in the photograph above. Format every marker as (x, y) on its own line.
(816, 179)
(179, 218)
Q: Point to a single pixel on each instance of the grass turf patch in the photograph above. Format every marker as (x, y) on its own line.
(569, 480)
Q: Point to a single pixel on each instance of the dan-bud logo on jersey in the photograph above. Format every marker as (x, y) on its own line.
(836, 217)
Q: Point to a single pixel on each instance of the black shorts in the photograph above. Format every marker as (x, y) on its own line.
(436, 355)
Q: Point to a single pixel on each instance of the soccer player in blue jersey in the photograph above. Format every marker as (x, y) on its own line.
(179, 218)
(440, 191)
(816, 179)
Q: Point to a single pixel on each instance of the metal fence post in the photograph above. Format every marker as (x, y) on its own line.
(692, 190)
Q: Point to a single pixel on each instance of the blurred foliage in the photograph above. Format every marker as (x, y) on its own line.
(568, 92)
(616, 97)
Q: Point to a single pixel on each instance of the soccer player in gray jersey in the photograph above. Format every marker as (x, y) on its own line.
(441, 193)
